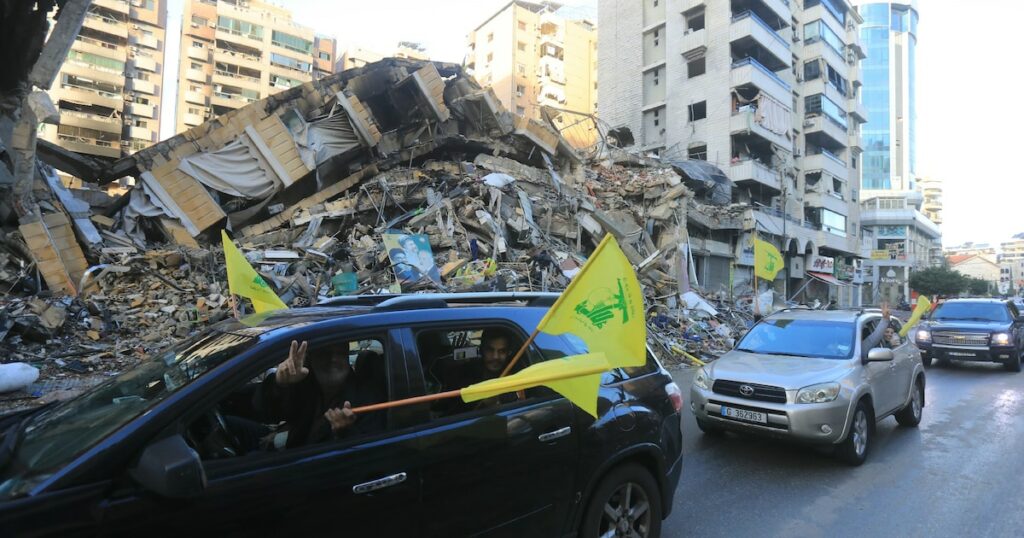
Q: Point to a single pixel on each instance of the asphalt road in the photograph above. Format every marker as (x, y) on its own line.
(958, 474)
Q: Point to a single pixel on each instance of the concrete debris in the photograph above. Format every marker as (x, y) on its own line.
(470, 198)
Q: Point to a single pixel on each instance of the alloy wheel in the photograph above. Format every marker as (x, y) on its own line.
(860, 432)
(916, 402)
(626, 513)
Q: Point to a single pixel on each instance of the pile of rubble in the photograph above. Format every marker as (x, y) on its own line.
(401, 176)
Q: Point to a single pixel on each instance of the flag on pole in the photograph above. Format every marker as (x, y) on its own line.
(767, 260)
(923, 306)
(604, 307)
(577, 377)
(243, 280)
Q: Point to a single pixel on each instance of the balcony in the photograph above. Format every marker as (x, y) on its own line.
(825, 132)
(820, 12)
(149, 41)
(827, 200)
(235, 79)
(552, 69)
(694, 44)
(691, 5)
(192, 119)
(745, 122)
(143, 86)
(752, 37)
(753, 172)
(857, 110)
(106, 25)
(197, 98)
(201, 54)
(94, 72)
(91, 121)
(229, 100)
(244, 40)
(197, 75)
(145, 63)
(749, 71)
(141, 133)
(822, 86)
(89, 96)
(826, 162)
(240, 59)
(821, 49)
(89, 146)
(98, 47)
(141, 110)
(120, 6)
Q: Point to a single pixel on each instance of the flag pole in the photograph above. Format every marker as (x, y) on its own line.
(558, 302)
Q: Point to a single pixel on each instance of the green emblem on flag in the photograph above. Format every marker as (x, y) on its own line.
(600, 306)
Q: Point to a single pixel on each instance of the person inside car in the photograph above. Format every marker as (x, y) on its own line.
(876, 337)
(891, 340)
(496, 349)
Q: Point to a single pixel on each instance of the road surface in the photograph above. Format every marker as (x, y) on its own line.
(958, 474)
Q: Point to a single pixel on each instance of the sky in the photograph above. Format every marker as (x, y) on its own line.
(967, 124)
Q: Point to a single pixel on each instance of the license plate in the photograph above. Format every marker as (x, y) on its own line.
(743, 414)
(960, 354)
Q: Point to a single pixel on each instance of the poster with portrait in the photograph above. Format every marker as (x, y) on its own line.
(411, 257)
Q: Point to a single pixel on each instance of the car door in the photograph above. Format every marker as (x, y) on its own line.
(356, 487)
(903, 359)
(507, 471)
(885, 385)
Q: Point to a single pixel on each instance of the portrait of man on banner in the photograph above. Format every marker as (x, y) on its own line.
(411, 257)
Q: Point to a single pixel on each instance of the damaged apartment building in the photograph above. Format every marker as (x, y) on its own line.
(766, 91)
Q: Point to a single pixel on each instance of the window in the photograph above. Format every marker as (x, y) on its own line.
(819, 104)
(695, 22)
(695, 68)
(812, 69)
(282, 82)
(198, 45)
(656, 73)
(196, 65)
(490, 37)
(833, 222)
(816, 31)
(522, 26)
(521, 69)
(324, 55)
(520, 90)
(656, 38)
(698, 111)
(520, 111)
(291, 42)
(490, 56)
(194, 110)
(657, 118)
(199, 21)
(290, 63)
(521, 46)
(237, 27)
(697, 153)
(94, 60)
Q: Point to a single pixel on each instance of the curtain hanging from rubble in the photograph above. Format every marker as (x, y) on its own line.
(772, 115)
(142, 203)
(233, 169)
(324, 138)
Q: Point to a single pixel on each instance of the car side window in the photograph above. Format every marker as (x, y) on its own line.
(896, 326)
(615, 375)
(297, 401)
(454, 358)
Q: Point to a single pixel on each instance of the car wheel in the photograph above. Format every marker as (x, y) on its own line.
(854, 449)
(1013, 364)
(910, 415)
(627, 502)
(709, 429)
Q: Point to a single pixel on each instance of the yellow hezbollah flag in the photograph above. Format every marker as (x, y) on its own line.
(604, 307)
(767, 260)
(245, 281)
(923, 305)
(577, 377)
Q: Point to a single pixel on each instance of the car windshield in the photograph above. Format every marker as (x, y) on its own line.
(971, 312)
(800, 338)
(58, 434)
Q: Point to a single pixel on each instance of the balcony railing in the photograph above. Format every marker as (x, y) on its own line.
(97, 42)
(86, 140)
(234, 97)
(761, 23)
(238, 76)
(93, 90)
(750, 61)
(94, 117)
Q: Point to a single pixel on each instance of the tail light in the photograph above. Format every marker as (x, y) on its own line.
(675, 395)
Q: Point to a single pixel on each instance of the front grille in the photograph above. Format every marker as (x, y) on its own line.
(763, 393)
(960, 339)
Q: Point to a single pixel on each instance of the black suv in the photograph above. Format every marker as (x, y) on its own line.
(990, 330)
(157, 449)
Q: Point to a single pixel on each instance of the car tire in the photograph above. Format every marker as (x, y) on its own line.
(910, 415)
(627, 502)
(708, 429)
(1013, 365)
(854, 449)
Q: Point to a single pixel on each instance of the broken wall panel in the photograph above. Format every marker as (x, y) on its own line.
(56, 252)
(185, 197)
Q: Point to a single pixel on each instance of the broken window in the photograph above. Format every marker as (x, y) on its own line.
(698, 111)
(695, 22)
(695, 68)
(698, 153)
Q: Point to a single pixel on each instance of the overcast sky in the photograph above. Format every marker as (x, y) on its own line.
(968, 125)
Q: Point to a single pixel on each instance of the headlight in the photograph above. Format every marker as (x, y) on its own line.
(924, 335)
(702, 379)
(1001, 339)
(821, 393)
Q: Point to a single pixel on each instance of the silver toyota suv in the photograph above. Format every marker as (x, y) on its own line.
(805, 375)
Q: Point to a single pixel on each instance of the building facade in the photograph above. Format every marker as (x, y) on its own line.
(768, 92)
(978, 266)
(109, 88)
(1011, 258)
(532, 56)
(902, 215)
(234, 52)
(353, 57)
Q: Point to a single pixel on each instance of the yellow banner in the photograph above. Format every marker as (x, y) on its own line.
(604, 307)
(767, 260)
(244, 281)
(922, 308)
(879, 254)
(577, 377)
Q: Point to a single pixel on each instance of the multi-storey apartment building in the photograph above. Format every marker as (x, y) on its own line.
(768, 91)
(931, 188)
(109, 88)
(354, 57)
(234, 52)
(532, 56)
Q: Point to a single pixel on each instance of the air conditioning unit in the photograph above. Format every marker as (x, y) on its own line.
(808, 123)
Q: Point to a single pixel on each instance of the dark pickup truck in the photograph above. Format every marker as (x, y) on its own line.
(987, 330)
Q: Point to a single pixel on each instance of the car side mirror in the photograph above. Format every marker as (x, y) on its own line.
(880, 354)
(170, 468)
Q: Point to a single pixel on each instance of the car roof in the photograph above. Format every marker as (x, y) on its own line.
(977, 300)
(846, 314)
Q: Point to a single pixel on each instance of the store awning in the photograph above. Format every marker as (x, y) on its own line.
(826, 278)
